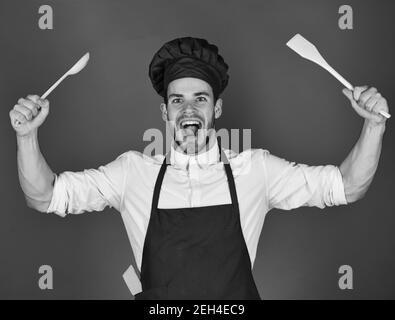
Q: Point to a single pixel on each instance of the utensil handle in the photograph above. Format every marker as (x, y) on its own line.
(46, 93)
(349, 86)
(385, 114)
(334, 73)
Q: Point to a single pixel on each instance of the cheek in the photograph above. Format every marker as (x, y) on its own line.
(209, 113)
(171, 114)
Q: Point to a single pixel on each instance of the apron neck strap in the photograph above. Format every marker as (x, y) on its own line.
(229, 175)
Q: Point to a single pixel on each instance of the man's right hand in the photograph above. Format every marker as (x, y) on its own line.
(29, 114)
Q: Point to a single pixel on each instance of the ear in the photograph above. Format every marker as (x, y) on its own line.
(163, 108)
(218, 108)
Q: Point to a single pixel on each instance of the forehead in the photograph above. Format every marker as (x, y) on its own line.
(188, 85)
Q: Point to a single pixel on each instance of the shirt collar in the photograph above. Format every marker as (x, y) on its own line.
(204, 159)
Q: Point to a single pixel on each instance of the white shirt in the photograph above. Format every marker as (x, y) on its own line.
(263, 181)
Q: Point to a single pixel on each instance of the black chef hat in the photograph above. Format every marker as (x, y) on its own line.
(188, 57)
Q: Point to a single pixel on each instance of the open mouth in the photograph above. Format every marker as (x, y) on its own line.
(191, 124)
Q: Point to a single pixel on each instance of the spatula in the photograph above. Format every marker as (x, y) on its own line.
(308, 51)
(77, 67)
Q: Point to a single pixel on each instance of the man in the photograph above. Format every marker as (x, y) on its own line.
(194, 216)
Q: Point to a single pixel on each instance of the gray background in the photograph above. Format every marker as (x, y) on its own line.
(295, 110)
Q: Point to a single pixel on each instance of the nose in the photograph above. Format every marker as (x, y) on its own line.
(189, 108)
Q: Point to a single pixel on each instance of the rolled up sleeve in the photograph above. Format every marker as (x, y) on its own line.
(90, 189)
(292, 185)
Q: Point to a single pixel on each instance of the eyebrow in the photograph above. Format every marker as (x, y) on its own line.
(200, 93)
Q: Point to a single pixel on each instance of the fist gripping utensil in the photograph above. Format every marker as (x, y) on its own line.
(77, 67)
(308, 51)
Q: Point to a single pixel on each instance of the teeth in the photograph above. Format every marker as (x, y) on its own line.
(189, 123)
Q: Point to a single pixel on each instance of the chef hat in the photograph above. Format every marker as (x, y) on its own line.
(188, 57)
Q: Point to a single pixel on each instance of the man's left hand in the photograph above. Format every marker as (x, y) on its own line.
(368, 102)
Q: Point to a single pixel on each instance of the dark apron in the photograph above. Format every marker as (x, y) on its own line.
(196, 253)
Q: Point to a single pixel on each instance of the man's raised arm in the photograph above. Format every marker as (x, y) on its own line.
(35, 176)
(359, 167)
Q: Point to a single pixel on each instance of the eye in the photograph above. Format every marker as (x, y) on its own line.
(201, 99)
(176, 100)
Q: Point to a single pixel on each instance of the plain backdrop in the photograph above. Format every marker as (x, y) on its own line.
(294, 108)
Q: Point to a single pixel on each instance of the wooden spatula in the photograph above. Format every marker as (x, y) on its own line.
(308, 51)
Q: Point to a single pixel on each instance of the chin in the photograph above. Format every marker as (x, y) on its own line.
(192, 146)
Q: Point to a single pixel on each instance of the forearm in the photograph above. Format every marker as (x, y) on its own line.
(35, 176)
(359, 167)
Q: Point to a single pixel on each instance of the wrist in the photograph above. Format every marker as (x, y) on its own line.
(375, 127)
(27, 139)
(27, 136)
(374, 124)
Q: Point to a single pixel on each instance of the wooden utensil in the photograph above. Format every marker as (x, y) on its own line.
(308, 51)
(77, 67)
